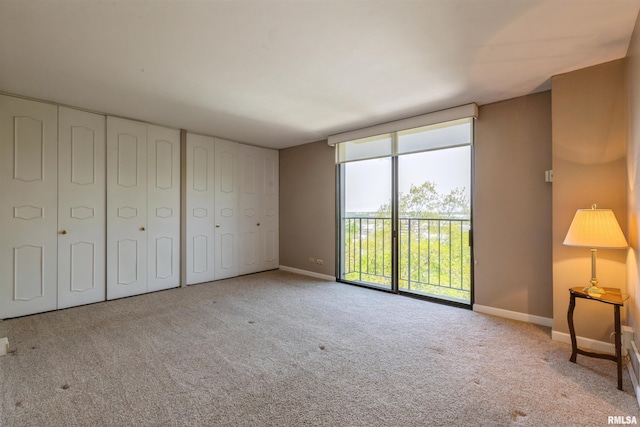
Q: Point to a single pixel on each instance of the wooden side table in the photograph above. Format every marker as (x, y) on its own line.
(613, 297)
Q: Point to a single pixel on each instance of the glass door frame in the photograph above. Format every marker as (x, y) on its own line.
(340, 231)
(395, 245)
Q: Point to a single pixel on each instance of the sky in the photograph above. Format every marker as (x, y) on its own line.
(368, 182)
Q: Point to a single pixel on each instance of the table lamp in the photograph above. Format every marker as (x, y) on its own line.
(595, 228)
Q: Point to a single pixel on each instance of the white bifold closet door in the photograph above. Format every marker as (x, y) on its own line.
(226, 209)
(269, 210)
(126, 208)
(143, 208)
(163, 210)
(212, 209)
(200, 210)
(52, 239)
(258, 209)
(28, 206)
(81, 207)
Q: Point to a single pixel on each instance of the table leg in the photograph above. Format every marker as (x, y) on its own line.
(618, 342)
(572, 331)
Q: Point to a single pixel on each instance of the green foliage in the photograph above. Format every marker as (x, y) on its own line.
(424, 201)
(434, 254)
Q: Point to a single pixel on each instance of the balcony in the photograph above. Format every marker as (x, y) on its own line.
(434, 255)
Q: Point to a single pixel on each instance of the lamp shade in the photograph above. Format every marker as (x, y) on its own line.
(595, 228)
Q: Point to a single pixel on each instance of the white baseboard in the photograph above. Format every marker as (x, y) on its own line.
(636, 386)
(307, 273)
(585, 343)
(633, 366)
(515, 315)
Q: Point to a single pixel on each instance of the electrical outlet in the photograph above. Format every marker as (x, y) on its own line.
(319, 262)
(312, 260)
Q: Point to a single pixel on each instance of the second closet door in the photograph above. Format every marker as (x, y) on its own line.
(258, 209)
(163, 220)
(226, 205)
(81, 207)
(200, 211)
(126, 208)
(143, 204)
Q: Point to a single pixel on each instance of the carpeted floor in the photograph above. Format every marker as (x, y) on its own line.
(279, 349)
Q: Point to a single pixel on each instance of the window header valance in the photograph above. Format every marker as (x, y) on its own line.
(461, 112)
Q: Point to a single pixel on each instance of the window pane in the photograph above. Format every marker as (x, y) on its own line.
(366, 230)
(434, 256)
(433, 137)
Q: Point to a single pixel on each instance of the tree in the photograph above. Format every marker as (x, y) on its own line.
(456, 204)
(424, 201)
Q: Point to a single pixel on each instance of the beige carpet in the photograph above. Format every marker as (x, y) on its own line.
(278, 349)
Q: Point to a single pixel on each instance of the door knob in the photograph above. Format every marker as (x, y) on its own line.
(217, 225)
(63, 231)
(142, 228)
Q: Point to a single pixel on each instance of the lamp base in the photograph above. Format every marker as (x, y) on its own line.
(594, 291)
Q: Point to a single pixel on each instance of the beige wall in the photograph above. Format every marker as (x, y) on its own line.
(589, 165)
(633, 181)
(307, 207)
(512, 205)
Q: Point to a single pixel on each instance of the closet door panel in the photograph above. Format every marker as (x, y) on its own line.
(200, 210)
(81, 207)
(163, 155)
(251, 172)
(226, 209)
(28, 206)
(126, 208)
(269, 202)
(258, 209)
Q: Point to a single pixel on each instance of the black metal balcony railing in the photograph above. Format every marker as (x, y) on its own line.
(434, 255)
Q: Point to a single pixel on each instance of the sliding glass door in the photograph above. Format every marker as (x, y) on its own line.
(367, 226)
(405, 211)
(434, 216)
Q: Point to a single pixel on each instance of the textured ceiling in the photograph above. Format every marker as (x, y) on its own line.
(280, 73)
